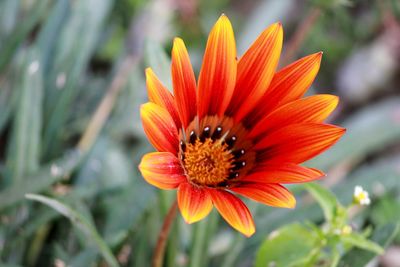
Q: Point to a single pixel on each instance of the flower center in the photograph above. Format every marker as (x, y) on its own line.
(215, 151)
(207, 163)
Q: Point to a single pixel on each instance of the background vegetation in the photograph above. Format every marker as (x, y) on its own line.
(70, 67)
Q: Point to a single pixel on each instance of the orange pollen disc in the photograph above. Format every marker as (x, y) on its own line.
(214, 151)
(208, 162)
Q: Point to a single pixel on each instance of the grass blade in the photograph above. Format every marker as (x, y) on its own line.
(24, 153)
(81, 222)
(23, 29)
(46, 176)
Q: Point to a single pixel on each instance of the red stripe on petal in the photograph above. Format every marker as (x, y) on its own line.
(282, 173)
(194, 202)
(310, 109)
(218, 73)
(269, 194)
(287, 85)
(234, 211)
(184, 82)
(162, 169)
(159, 127)
(297, 142)
(255, 71)
(161, 96)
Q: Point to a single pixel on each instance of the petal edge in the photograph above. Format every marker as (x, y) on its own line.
(218, 72)
(162, 169)
(269, 194)
(234, 211)
(194, 202)
(184, 82)
(159, 127)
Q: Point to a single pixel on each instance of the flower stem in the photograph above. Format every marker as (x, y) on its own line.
(158, 255)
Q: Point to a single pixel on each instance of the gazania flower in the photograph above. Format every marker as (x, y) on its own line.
(242, 130)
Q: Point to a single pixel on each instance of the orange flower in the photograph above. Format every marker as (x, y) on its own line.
(243, 130)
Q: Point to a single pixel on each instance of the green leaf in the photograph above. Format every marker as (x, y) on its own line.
(358, 240)
(7, 50)
(289, 246)
(7, 100)
(42, 179)
(263, 14)
(325, 198)
(203, 232)
(383, 236)
(80, 222)
(125, 209)
(9, 265)
(50, 32)
(157, 59)
(8, 16)
(385, 210)
(125, 120)
(106, 159)
(70, 60)
(24, 153)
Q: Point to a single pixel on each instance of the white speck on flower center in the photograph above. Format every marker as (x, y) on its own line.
(361, 196)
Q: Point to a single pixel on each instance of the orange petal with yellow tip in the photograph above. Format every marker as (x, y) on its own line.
(297, 142)
(159, 127)
(255, 71)
(160, 95)
(194, 202)
(218, 73)
(184, 82)
(234, 211)
(287, 85)
(282, 173)
(269, 194)
(310, 109)
(162, 169)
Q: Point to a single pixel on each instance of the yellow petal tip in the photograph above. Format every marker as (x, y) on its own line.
(177, 39)
(318, 55)
(148, 71)
(223, 18)
(250, 232)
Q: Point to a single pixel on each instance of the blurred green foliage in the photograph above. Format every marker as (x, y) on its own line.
(58, 58)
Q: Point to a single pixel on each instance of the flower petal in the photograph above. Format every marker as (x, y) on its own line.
(269, 194)
(160, 95)
(234, 211)
(162, 169)
(297, 142)
(287, 85)
(282, 173)
(218, 73)
(255, 71)
(310, 109)
(194, 202)
(159, 127)
(184, 82)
